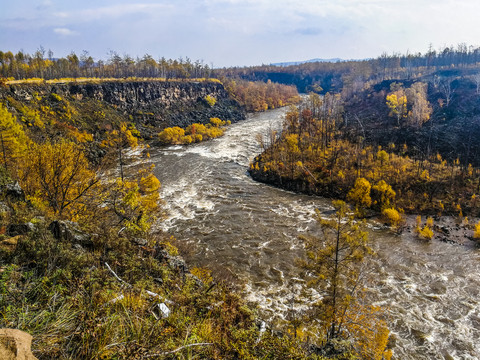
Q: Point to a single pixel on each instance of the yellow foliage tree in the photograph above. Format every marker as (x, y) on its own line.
(397, 103)
(172, 135)
(13, 141)
(334, 261)
(217, 122)
(385, 193)
(421, 108)
(135, 203)
(57, 174)
(394, 218)
(359, 195)
(476, 232)
(425, 233)
(369, 331)
(124, 137)
(210, 100)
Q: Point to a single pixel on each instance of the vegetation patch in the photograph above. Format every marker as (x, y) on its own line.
(193, 133)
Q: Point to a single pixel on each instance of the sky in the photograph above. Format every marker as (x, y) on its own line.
(227, 33)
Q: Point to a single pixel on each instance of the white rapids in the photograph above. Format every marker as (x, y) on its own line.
(430, 291)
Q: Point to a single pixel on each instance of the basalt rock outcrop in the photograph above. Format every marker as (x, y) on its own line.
(151, 105)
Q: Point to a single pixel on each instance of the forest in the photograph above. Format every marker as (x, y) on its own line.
(410, 125)
(85, 270)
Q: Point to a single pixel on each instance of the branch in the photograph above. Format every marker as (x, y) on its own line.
(176, 350)
(149, 293)
(116, 276)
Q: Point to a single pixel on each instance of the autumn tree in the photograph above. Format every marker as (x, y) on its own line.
(118, 140)
(134, 203)
(384, 194)
(409, 106)
(476, 232)
(393, 217)
(57, 175)
(397, 103)
(360, 195)
(334, 261)
(172, 135)
(367, 326)
(421, 108)
(425, 233)
(13, 141)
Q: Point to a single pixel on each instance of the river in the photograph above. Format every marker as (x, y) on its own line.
(430, 291)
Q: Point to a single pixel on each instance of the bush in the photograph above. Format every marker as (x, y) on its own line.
(210, 100)
(360, 194)
(476, 232)
(426, 233)
(217, 122)
(393, 217)
(172, 135)
(193, 133)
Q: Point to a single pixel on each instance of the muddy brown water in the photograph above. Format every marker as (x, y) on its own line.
(431, 291)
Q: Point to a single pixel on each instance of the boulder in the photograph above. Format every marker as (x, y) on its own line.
(69, 231)
(163, 310)
(10, 244)
(140, 241)
(15, 192)
(175, 262)
(20, 229)
(15, 345)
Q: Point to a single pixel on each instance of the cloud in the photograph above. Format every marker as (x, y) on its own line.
(64, 32)
(45, 5)
(309, 31)
(112, 12)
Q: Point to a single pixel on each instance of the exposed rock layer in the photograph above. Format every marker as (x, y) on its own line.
(153, 105)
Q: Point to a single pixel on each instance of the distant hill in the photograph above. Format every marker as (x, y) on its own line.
(334, 60)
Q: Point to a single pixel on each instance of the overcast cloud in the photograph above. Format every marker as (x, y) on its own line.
(238, 32)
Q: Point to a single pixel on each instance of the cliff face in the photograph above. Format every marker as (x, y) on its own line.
(151, 105)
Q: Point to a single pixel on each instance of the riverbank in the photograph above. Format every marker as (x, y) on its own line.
(446, 228)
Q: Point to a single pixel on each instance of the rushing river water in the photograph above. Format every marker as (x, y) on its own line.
(431, 291)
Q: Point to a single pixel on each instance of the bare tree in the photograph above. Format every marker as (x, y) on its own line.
(447, 90)
(476, 78)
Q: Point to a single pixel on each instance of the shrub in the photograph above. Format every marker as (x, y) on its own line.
(393, 217)
(476, 232)
(217, 122)
(426, 233)
(172, 135)
(210, 100)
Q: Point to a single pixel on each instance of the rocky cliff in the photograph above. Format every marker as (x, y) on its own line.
(151, 105)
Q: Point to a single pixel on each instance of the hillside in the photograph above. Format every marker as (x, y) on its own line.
(409, 125)
(97, 106)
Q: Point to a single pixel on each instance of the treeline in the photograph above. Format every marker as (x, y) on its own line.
(45, 66)
(322, 77)
(259, 95)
